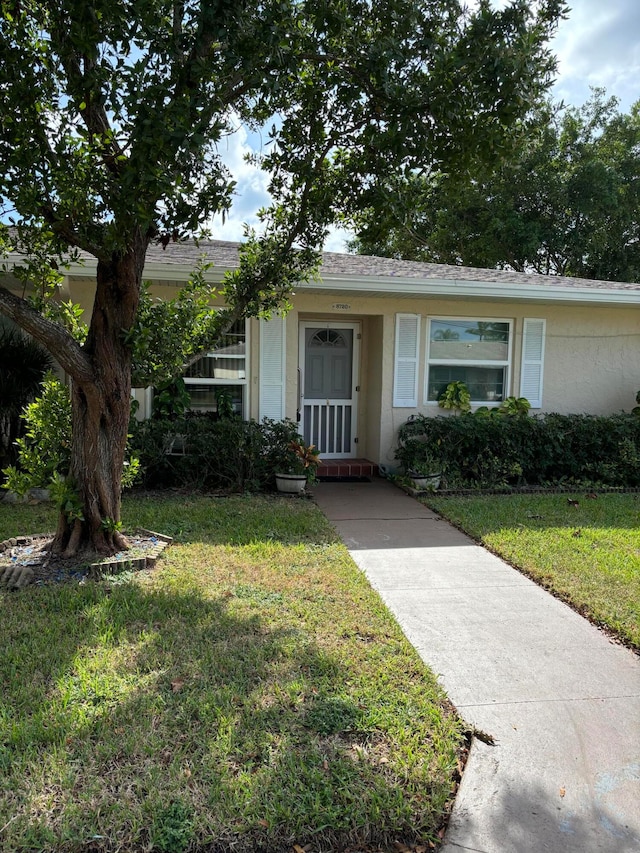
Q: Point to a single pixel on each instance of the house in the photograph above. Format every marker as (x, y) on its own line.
(375, 340)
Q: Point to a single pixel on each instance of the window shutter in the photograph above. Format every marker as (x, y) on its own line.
(532, 369)
(272, 368)
(405, 374)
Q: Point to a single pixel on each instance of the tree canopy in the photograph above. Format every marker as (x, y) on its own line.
(113, 117)
(567, 202)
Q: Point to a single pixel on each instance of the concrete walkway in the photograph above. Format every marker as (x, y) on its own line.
(561, 700)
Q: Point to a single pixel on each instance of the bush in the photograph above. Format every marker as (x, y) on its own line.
(44, 452)
(45, 449)
(201, 450)
(480, 451)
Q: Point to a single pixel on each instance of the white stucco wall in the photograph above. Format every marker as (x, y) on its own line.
(591, 363)
(591, 360)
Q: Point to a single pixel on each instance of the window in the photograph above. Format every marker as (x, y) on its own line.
(476, 352)
(222, 371)
(328, 338)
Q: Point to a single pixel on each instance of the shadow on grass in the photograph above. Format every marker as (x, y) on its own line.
(189, 518)
(134, 718)
(231, 520)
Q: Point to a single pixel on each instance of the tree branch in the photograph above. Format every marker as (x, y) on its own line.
(54, 337)
(93, 113)
(63, 228)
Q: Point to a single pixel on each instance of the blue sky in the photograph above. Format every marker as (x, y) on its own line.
(598, 45)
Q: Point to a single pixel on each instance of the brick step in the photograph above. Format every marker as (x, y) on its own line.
(346, 468)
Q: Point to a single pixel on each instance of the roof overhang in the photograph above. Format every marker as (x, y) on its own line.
(394, 287)
(154, 271)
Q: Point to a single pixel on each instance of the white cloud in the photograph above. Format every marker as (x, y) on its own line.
(599, 45)
(337, 240)
(251, 185)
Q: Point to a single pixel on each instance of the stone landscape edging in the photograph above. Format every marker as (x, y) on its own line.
(19, 576)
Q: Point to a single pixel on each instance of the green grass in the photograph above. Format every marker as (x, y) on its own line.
(589, 555)
(251, 692)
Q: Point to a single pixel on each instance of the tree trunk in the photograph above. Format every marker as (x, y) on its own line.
(100, 417)
(100, 412)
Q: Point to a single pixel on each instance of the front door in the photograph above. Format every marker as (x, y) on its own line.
(328, 377)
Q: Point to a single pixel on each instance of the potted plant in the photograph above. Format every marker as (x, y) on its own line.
(421, 461)
(426, 472)
(299, 466)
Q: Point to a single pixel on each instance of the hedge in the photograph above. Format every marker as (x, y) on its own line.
(200, 451)
(481, 451)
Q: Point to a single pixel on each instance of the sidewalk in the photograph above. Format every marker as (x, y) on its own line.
(561, 700)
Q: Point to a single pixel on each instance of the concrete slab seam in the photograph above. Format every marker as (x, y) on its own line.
(569, 700)
(404, 518)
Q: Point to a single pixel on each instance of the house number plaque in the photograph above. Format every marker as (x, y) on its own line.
(341, 306)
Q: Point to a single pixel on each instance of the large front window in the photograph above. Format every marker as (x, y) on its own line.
(476, 352)
(219, 379)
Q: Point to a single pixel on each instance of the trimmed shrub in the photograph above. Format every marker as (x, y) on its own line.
(480, 451)
(44, 450)
(202, 451)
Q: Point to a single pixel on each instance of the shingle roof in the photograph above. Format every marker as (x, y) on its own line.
(337, 264)
(221, 253)
(381, 271)
(225, 255)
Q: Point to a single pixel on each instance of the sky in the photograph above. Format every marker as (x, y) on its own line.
(598, 45)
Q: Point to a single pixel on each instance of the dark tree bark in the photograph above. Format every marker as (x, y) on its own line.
(100, 409)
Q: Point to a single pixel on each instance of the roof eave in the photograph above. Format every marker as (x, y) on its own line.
(456, 288)
(154, 271)
(390, 286)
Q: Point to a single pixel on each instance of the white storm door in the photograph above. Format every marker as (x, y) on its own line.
(328, 389)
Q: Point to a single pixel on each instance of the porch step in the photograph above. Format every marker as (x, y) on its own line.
(346, 468)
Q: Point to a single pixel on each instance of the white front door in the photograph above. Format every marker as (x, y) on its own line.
(328, 386)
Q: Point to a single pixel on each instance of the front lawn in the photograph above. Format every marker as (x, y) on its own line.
(583, 547)
(250, 693)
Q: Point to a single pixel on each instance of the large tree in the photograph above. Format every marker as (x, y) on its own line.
(566, 201)
(113, 115)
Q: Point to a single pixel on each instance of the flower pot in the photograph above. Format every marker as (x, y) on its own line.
(432, 481)
(291, 484)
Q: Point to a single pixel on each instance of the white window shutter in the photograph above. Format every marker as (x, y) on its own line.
(405, 373)
(532, 369)
(272, 368)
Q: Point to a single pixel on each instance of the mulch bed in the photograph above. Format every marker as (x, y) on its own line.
(28, 560)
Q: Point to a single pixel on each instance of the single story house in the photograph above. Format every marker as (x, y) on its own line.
(375, 340)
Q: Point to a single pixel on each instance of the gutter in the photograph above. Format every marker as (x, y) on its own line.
(390, 286)
(394, 286)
